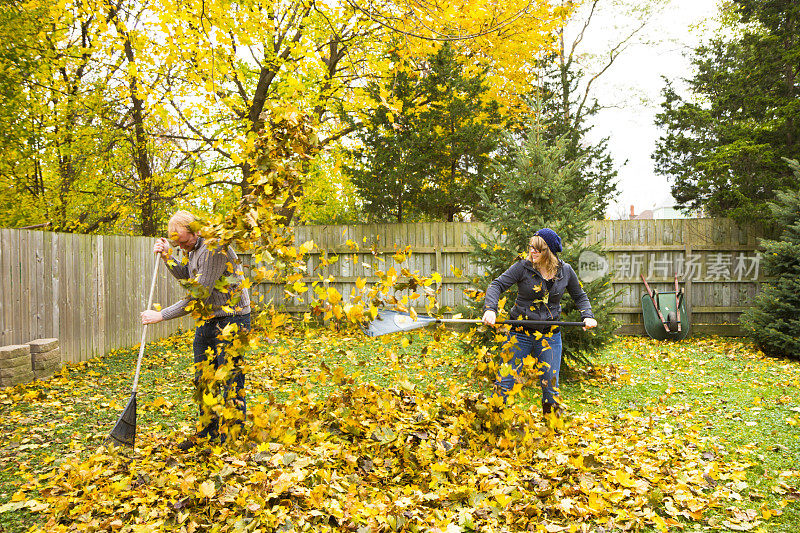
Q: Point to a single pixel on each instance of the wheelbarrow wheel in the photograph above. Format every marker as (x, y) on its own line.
(672, 321)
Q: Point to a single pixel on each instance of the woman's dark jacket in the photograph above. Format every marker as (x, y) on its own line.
(534, 301)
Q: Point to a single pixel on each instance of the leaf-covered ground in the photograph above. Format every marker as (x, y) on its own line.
(357, 434)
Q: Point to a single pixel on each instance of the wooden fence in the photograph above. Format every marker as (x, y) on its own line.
(88, 290)
(717, 262)
(85, 290)
(360, 251)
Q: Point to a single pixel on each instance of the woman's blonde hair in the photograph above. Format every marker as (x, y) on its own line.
(181, 219)
(547, 258)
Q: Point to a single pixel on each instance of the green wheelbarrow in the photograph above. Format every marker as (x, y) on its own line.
(665, 316)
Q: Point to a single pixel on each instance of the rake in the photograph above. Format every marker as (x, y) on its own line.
(124, 433)
(393, 321)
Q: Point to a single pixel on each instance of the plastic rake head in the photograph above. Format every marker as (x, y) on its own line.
(394, 321)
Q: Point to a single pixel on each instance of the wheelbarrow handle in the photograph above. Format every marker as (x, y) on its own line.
(647, 287)
(653, 295)
(678, 298)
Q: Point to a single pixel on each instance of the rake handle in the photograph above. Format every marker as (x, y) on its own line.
(511, 322)
(144, 328)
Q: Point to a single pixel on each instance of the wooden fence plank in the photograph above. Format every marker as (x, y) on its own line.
(88, 319)
(48, 304)
(67, 337)
(6, 305)
(17, 266)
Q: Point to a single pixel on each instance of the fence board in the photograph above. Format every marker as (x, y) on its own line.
(45, 310)
(26, 292)
(17, 323)
(65, 299)
(6, 307)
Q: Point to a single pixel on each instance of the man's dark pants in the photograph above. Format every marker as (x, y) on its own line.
(206, 337)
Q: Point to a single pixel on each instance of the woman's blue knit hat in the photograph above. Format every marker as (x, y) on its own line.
(551, 238)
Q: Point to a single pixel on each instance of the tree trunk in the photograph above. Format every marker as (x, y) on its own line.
(141, 155)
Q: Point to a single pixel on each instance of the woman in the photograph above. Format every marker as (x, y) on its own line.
(541, 280)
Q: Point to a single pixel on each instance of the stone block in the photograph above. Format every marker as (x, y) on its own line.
(51, 363)
(23, 360)
(52, 355)
(12, 351)
(16, 380)
(11, 372)
(47, 370)
(43, 345)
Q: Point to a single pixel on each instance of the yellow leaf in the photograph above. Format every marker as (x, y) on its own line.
(289, 437)
(299, 287)
(623, 478)
(333, 296)
(306, 247)
(229, 330)
(659, 522)
(210, 400)
(207, 489)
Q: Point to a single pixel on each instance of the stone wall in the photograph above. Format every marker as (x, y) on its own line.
(23, 363)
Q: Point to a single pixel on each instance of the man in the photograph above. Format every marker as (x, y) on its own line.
(222, 305)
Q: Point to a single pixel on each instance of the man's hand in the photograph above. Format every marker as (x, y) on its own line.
(589, 323)
(489, 317)
(151, 317)
(162, 247)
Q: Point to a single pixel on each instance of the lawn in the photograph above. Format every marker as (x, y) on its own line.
(395, 433)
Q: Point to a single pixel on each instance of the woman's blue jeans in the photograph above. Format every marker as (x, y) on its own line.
(546, 368)
(210, 349)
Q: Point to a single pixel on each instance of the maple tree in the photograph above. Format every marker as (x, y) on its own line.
(82, 154)
(506, 38)
(127, 105)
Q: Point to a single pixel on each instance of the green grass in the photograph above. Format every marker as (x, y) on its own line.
(749, 405)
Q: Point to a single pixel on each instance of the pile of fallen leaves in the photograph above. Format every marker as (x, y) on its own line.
(371, 458)
(330, 448)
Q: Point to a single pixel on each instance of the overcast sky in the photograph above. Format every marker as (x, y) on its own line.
(633, 86)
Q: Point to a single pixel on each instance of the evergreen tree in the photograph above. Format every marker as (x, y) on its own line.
(773, 322)
(538, 192)
(724, 145)
(426, 144)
